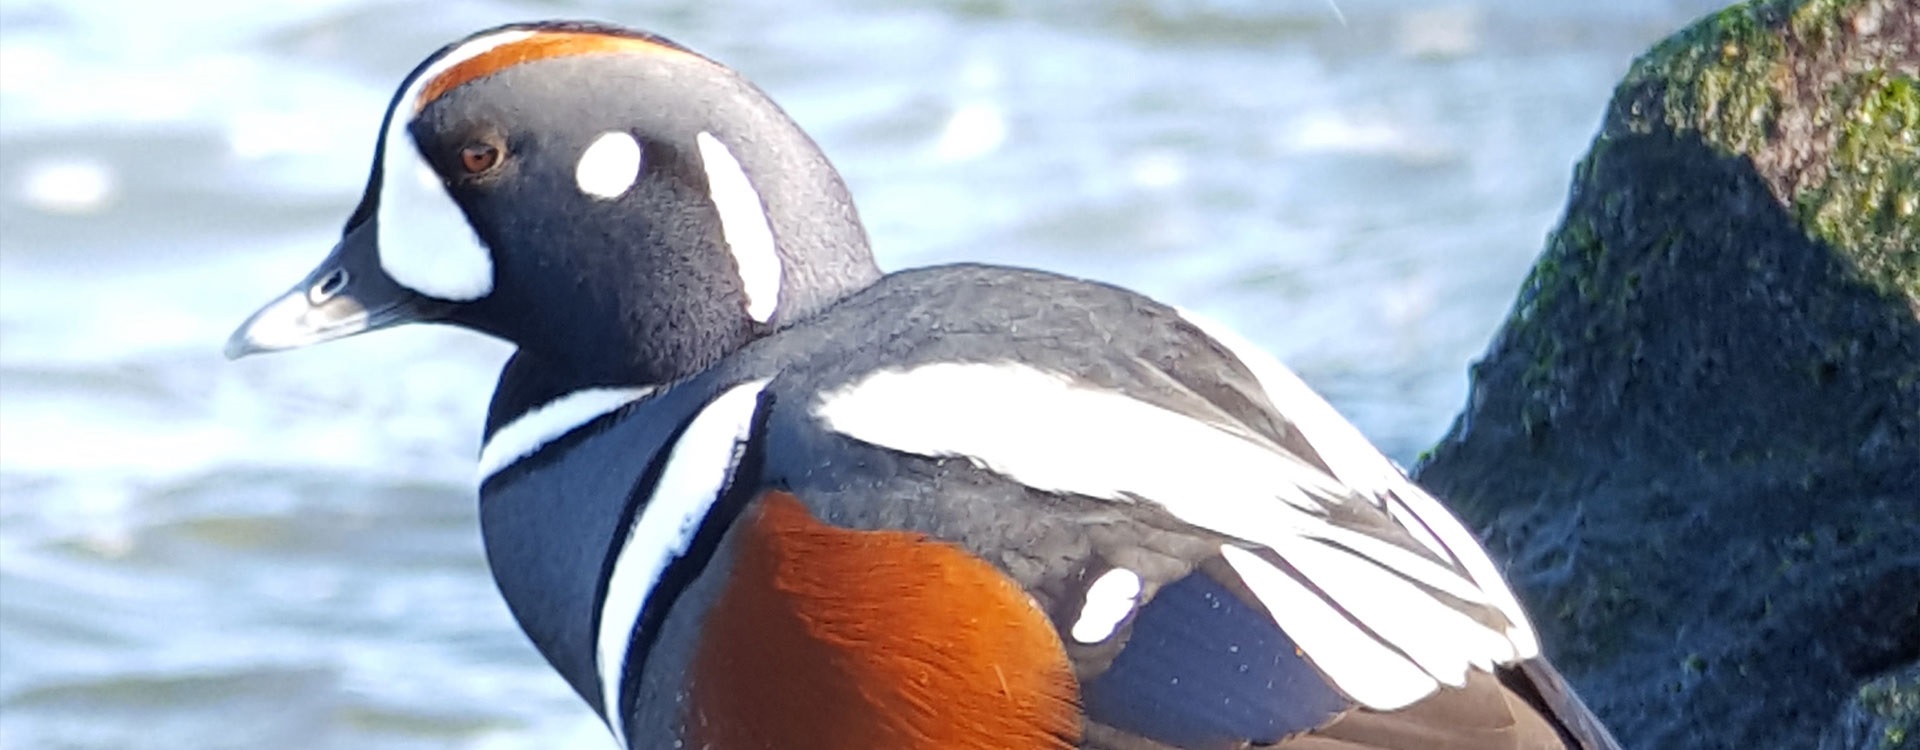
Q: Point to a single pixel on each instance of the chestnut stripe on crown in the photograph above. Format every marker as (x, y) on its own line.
(540, 46)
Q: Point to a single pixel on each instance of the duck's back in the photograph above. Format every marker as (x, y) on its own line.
(973, 495)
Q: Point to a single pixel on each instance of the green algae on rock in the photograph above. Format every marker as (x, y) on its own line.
(1885, 715)
(1697, 436)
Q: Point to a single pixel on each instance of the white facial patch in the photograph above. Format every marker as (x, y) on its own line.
(527, 433)
(743, 224)
(698, 469)
(609, 166)
(426, 243)
(1109, 600)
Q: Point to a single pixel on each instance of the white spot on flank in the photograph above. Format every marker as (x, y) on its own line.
(609, 166)
(527, 433)
(743, 224)
(1109, 600)
(425, 241)
(698, 469)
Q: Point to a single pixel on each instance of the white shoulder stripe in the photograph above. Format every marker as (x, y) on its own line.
(1358, 464)
(743, 224)
(698, 469)
(534, 429)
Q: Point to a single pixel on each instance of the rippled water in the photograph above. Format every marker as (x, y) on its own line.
(282, 552)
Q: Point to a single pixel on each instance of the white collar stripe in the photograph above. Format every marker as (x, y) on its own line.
(531, 431)
(699, 467)
(743, 225)
(1357, 463)
(425, 241)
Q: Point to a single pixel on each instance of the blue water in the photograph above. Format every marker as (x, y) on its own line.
(282, 552)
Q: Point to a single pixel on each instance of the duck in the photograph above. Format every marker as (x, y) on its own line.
(743, 490)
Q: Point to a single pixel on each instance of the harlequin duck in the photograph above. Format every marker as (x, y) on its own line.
(744, 491)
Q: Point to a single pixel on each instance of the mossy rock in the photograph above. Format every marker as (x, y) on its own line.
(1696, 439)
(1885, 715)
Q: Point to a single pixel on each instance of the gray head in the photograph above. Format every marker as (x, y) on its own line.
(620, 208)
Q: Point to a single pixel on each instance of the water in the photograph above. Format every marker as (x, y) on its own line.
(282, 552)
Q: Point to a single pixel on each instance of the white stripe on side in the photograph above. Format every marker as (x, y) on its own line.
(1049, 432)
(425, 241)
(698, 469)
(1358, 464)
(743, 224)
(531, 431)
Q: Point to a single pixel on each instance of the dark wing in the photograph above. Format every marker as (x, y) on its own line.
(1365, 611)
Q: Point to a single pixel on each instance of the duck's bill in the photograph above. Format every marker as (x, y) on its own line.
(346, 295)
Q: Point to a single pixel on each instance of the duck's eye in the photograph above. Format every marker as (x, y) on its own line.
(479, 157)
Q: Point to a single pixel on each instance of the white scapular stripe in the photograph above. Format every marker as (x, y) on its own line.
(1044, 430)
(1109, 600)
(1040, 428)
(425, 241)
(743, 224)
(1363, 668)
(1360, 466)
(698, 469)
(546, 423)
(1443, 641)
(609, 166)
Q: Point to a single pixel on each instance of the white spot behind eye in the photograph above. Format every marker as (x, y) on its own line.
(743, 224)
(609, 166)
(1109, 600)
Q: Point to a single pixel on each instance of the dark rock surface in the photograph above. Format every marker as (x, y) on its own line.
(1696, 439)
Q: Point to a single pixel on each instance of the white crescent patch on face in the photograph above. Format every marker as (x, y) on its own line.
(743, 224)
(426, 243)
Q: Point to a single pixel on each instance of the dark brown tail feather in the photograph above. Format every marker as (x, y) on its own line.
(1541, 685)
(1527, 707)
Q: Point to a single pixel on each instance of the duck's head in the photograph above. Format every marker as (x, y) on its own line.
(615, 205)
